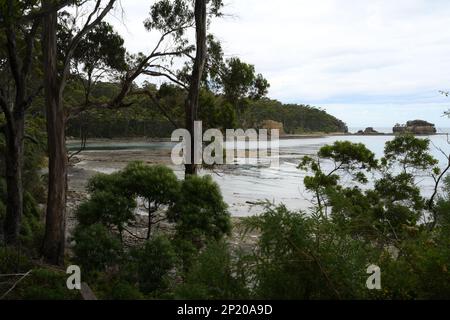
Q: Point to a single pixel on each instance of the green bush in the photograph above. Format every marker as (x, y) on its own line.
(108, 209)
(32, 228)
(152, 265)
(44, 284)
(200, 213)
(96, 248)
(157, 185)
(301, 257)
(112, 183)
(13, 260)
(40, 284)
(115, 288)
(215, 275)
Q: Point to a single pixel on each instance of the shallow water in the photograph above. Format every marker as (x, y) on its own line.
(243, 185)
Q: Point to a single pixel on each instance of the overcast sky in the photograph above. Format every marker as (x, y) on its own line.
(368, 62)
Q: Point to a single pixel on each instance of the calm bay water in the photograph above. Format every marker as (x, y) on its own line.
(243, 185)
(285, 184)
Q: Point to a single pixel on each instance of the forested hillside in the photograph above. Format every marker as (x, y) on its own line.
(149, 116)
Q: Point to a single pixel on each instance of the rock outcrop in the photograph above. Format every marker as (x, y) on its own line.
(273, 125)
(416, 127)
(368, 131)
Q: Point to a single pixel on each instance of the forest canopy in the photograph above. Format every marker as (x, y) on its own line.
(144, 118)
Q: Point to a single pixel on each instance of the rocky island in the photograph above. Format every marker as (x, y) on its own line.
(368, 131)
(415, 127)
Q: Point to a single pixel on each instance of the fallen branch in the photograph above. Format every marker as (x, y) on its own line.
(15, 285)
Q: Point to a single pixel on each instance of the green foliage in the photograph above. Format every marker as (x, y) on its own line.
(200, 212)
(390, 210)
(35, 154)
(152, 265)
(296, 258)
(238, 80)
(166, 15)
(443, 208)
(349, 156)
(214, 275)
(216, 113)
(297, 119)
(144, 117)
(32, 227)
(96, 248)
(40, 284)
(157, 184)
(111, 183)
(389, 217)
(409, 152)
(108, 209)
(114, 197)
(117, 289)
(44, 284)
(101, 48)
(13, 261)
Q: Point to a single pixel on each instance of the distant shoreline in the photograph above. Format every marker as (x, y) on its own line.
(318, 135)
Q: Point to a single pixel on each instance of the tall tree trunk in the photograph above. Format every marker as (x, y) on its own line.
(54, 83)
(197, 73)
(14, 130)
(13, 165)
(54, 239)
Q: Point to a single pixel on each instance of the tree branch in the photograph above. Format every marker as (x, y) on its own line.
(41, 13)
(29, 40)
(79, 36)
(165, 75)
(158, 105)
(31, 97)
(14, 61)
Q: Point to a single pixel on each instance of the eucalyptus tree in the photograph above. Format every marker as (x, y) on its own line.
(19, 24)
(55, 80)
(173, 19)
(238, 80)
(100, 56)
(157, 185)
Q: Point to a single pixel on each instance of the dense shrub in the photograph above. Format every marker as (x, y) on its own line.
(44, 284)
(214, 275)
(13, 260)
(152, 264)
(296, 258)
(200, 213)
(96, 248)
(32, 228)
(157, 185)
(109, 287)
(106, 208)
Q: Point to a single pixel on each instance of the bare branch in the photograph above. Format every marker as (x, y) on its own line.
(79, 36)
(165, 75)
(15, 285)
